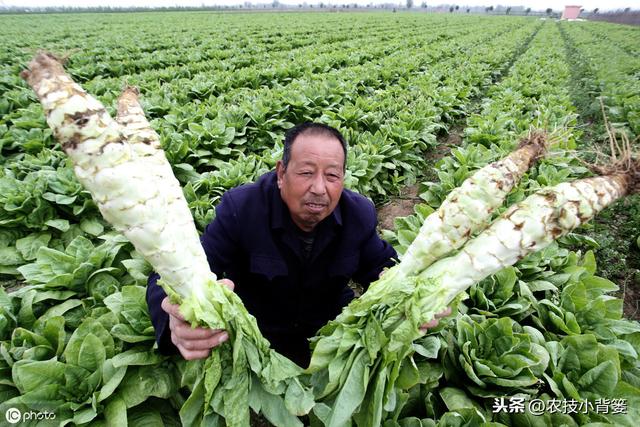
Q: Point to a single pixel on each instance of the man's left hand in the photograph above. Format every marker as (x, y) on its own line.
(433, 323)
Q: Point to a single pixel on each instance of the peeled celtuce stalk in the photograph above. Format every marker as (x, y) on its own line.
(128, 177)
(465, 211)
(122, 165)
(528, 227)
(468, 208)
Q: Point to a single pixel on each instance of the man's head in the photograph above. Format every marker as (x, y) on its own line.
(311, 172)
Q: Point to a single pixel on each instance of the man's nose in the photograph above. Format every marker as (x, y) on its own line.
(318, 186)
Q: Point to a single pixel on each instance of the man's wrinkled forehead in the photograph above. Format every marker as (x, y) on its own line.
(329, 138)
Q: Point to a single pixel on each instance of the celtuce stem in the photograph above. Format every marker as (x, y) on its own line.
(126, 173)
(527, 227)
(135, 125)
(468, 208)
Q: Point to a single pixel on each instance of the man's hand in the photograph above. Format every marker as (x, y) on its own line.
(193, 343)
(433, 323)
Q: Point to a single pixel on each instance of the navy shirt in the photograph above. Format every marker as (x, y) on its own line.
(254, 242)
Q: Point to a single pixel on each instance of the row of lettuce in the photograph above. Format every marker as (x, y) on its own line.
(614, 67)
(78, 337)
(609, 73)
(218, 59)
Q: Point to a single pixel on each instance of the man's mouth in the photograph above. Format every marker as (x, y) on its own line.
(315, 207)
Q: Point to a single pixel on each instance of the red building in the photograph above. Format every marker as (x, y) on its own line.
(571, 12)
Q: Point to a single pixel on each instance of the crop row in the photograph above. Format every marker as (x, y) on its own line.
(221, 69)
(103, 53)
(387, 126)
(109, 36)
(616, 71)
(209, 133)
(623, 37)
(216, 55)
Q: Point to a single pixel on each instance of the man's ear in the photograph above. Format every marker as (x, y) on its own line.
(280, 172)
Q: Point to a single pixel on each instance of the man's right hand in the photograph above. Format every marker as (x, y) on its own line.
(193, 343)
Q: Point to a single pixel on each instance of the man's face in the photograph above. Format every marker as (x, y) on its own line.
(312, 183)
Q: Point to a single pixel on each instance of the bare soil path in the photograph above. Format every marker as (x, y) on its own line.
(403, 204)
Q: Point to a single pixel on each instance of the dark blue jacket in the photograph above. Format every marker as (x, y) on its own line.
(253, 242)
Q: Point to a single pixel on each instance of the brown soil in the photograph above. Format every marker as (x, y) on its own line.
(397, 207)
(408, 198)
(12, 285)
(631, 298)
(445, 144)
(259, 421)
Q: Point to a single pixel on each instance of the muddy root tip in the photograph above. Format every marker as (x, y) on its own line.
(132, 89)
(632, 173)
(128, 94)
(43, 65)
(45, 58)
(127, 101)
(538, 141)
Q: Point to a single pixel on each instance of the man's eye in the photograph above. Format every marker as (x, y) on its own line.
(305, 173)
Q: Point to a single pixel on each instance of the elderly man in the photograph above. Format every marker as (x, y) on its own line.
(288, 245)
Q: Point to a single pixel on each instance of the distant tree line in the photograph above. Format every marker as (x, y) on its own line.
(626, 16)
(101, 9)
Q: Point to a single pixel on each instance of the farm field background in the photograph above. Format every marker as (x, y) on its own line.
(424, 100)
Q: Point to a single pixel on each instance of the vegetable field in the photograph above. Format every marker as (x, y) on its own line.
(424, 101)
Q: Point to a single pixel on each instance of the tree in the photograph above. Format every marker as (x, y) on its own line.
(275, 4)
(457, 8)
(451, 9)
(468, 9)
(424, 5)
(488, 9)
(508, 10)
(409, 4)
(627, 9)
(595, 11)
(526, 12)
(549, 10)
